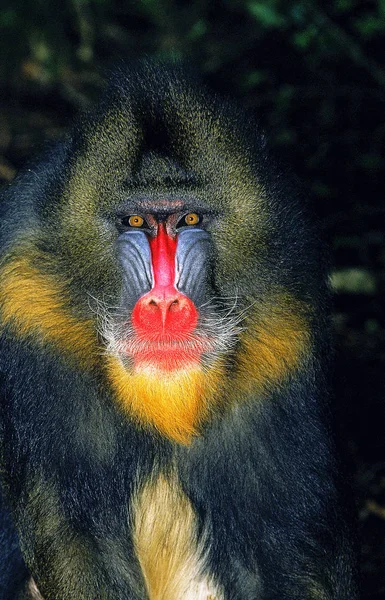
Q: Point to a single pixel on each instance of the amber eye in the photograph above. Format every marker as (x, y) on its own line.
(192, 219)
(135, 221)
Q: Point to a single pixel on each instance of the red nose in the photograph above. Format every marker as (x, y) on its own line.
(164, 311)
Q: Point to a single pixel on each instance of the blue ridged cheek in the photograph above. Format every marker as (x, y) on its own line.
(135, 260)
(193, 271)
(192, 265)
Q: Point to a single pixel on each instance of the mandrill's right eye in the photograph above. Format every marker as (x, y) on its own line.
(133, 221)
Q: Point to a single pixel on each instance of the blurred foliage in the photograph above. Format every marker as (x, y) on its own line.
(313, 73)
(286, 57)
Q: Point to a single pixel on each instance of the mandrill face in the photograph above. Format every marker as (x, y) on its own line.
(170, 347)
(172, 251)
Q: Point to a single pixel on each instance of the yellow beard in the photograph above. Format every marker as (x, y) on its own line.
(174, 402)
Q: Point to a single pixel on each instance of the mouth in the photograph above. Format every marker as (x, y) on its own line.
(166, 354)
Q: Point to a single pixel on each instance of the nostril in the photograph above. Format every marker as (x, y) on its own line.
(174, 306)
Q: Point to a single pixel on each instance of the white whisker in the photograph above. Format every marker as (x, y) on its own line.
(219, 327)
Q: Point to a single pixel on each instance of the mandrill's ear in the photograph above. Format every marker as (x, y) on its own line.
(164, 334)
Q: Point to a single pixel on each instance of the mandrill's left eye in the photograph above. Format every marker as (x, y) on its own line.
(190, 219)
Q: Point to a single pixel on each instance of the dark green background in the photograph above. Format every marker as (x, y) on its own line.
(313, 73)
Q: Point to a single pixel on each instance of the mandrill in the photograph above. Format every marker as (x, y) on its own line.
(164, 344)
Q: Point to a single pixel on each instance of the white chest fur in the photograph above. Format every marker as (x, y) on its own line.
(165, 537)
